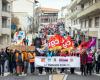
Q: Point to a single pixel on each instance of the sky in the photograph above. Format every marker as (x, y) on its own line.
(27, 6)
(54, 3)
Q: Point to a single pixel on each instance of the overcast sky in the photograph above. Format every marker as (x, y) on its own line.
(24, 6)
(54, 3)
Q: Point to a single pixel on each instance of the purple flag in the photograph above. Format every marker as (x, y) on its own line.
(92, 42)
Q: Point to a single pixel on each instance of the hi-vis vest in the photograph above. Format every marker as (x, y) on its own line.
(31, 57)
(17, 54)
(25, 56)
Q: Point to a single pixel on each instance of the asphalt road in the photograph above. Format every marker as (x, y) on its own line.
(68, 76)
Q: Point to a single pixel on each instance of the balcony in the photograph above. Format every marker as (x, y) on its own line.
(6, 14)
(72, 15)
(72, 4)
(9, 0)
(5, 31)
(82, 1)
(92, 10)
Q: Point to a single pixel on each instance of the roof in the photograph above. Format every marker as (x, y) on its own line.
(49, 10)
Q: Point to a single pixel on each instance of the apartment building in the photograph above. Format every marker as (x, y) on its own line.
(5, 23)
(45, 16)
(24, 20)
(85, 15)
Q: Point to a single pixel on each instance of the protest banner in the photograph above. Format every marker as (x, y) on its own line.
(58, 62)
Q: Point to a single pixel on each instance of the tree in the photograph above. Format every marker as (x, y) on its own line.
(15, 21)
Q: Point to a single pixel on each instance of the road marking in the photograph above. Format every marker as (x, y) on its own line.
(65, 77)
(6, 74)
(77, 72)
(50, 77)
(58, 77)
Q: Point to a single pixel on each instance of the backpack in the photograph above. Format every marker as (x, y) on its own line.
(19, 58)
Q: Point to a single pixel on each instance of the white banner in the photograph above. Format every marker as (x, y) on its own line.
(70, 61)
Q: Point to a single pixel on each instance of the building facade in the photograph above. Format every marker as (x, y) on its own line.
(5, 23)
(84, 14)
(45, 16)
(24, 20)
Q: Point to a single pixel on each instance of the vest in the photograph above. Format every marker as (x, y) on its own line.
(31, 57)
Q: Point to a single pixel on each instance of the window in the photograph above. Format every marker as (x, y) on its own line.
(45, 20)
(82, 6)
(91, 2)
(90, 23)
(4, 22)
(81, 24)
(4, 6)
(85, 24)
(96, 21)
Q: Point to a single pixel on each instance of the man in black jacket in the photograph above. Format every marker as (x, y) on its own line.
(37, 42)
(2, 61)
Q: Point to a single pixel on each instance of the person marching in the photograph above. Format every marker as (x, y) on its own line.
(63, 54)
(11, 59)
(19, 62)
(25, 58)
(83, 57)
(89, 63)
(31, 58)
(3, 57)
(49, 54)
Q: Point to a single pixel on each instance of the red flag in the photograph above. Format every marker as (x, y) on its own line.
(68, 43)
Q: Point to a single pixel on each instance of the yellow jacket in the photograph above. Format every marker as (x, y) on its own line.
(31, 57)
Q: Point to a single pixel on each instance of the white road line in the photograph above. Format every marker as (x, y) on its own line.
(77, 72)
(65, 77)
(6, 74)
(50, 77)
(96, 74)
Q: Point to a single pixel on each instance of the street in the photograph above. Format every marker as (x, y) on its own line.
(67, 76)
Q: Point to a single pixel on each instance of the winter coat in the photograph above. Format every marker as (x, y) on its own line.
(83, 59)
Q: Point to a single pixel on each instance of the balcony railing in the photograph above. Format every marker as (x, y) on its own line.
(5, 31)
(81, 1)
(72, 4)
(91, 9)
(6, 14)
(72, 15)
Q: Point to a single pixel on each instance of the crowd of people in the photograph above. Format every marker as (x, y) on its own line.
(18, 62)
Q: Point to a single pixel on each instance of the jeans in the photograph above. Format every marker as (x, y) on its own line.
(89, 68)
(32, 67)
(2, 68)
(25, 66)
(83, 69)
(11, 67)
